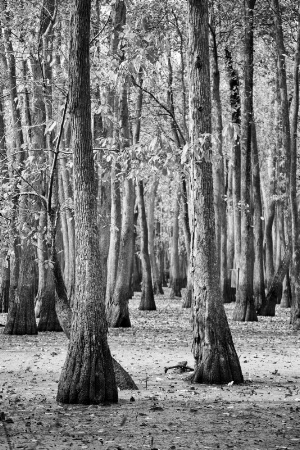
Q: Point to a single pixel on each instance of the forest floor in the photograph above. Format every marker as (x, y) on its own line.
(166, 412)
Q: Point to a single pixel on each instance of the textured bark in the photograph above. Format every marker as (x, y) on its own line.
(244, 307)
(147, 297)
(216, 360)
(64, 312)
(5, 284)
(21, 317)
(87, 376)
(48, 316)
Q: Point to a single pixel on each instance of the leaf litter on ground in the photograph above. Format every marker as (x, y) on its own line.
(166, 412)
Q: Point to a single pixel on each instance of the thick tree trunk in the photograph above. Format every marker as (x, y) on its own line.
(64, 312)
(21, 318)
(216, 360)
(87, 376)
(147, 297)
(244, 307)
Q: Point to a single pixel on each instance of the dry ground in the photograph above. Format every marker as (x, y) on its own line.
(166, 412)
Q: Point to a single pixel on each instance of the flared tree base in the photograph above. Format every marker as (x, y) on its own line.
(268, 309)
(87, 377)
(117, 317)
(244, 310)
(21, 319)
(48, 317)
(218, 366)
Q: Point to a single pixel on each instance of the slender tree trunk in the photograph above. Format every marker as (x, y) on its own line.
(87, 376)
(156, 279)
(174, 269)
(147, 298)
(216, 360)
(115, 229)
(235, 103)
(187, 303)
(218, 174)
(244, 307)
(258, 275)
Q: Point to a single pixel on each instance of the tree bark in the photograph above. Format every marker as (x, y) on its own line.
(258, 275)
(235, 103)
(87, 376)
(156, 279)
(216, 360)
(21, 317)
(147, 297)
(175, 284)
(244, 307)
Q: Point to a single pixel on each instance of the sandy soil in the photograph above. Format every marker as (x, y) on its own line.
(166, 412)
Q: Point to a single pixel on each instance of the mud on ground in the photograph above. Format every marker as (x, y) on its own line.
(166, 412)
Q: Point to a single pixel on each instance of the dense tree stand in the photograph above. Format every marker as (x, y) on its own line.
(216, 360)
(87, 376)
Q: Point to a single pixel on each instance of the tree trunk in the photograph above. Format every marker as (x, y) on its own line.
(244, 307)
(218, 174)
(63, 310)
(286, 298)
(216, 360)
(115, 230)
(276, 285)
(87, 376)
(235, 103)
(174, 268)
(147, 298)
(156, 279)
(187, 302)
(258, 275)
